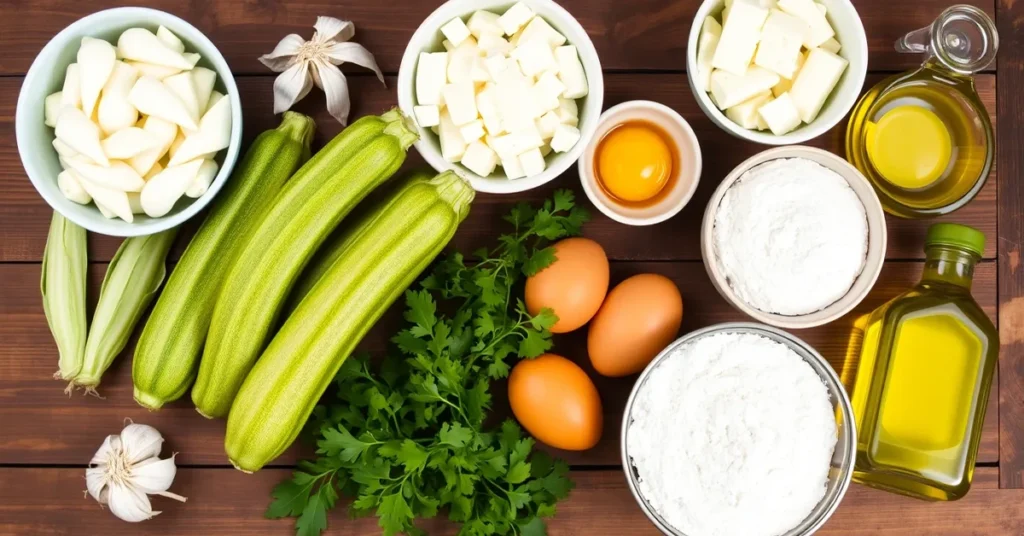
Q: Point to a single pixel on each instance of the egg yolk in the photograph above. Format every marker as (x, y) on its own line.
(633, 163)
(909, 146)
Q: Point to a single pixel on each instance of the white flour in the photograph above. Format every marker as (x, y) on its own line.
(791, 236)
(732, 434)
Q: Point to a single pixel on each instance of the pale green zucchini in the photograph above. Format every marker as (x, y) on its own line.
(63, 287)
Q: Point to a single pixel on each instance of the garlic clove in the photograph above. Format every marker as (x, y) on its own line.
(76, 130)
(128, 503)
(72, 90)
(168, 38)
(72, 189)
(203, 180)
(215, 96)
(96, 59)
(156, 71)
(110, 447)
(119, 176)
(142, 45)
(141, 441)
(106, 212)
(162, 130)
(109, 200)
(152, 97)
(204, 79)
(135, 202)
(51, 108)
(214, 134)
(128, 142)
(122, 78)
(154, 475)
(96, 483)
(157, 168)
(115, 112)
(192, 58)
(63, 150)
(183, 86)
(164, 189)
(176, 144)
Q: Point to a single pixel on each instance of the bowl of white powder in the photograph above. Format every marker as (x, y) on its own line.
(794, 237)
(738, 429)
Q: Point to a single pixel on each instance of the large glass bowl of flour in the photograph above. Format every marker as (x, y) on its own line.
(680, 411)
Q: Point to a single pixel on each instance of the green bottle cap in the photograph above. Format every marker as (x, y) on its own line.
(956, 235)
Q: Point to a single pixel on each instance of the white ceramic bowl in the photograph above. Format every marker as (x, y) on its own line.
(685, 177)
(849, 32)
(427, 38)
(877, 239)
(47, 76)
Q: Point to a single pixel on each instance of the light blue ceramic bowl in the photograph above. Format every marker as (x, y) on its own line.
(46, 76)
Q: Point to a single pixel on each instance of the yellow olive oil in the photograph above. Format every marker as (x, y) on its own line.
(926, 361)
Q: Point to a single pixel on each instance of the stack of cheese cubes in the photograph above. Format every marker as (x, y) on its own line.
(770, 64)
(503, 93)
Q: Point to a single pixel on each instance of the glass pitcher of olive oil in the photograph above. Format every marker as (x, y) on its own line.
(927, 358)
(923, 138)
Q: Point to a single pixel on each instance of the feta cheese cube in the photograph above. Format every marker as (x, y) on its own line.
(565, 138)
(534, 57)
(539, 29)
(484, 22)
(744, 114)
(456, 31)
(567, 111)
(547, 90)
(478, 72)
(514, 100)
(781, 39)
(831, 45)
(495, 65)
(710, 32)
(815, 81)
(489, 111)
(728, 89)
(570, 72)
(761, 123)
(516, 143)
(807, 10)
(532, 162)
(784, 85)
(740, 34)
(431, 76)
(452, 144)
(546, 125)
(427, 116)
(515, 18)
(472, 131)
(460, 100)
(781, 114)
(512, 168)
(480, 159)
(492, 44)
(461, 60)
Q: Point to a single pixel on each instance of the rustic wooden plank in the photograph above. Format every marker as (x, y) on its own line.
(25, 217)
(1011, 235)
(43, 426)
(641, 34)
(225, 501)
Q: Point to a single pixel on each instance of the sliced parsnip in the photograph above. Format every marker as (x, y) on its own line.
(51, 109)
(204, 80)
(63, 150)
(203, 180)
(109, 201)
(154, 171)
(128, 142)
(156, 71)
(115, 112)
(162, 130)
(151, 97)
(214, 134)
(140, 44)
(168, 38)
(72, 90)
(96, 59)
(75, 129)
(119, 176)
(165, 188)
(72, 188)
(183, 85)
(135, 202)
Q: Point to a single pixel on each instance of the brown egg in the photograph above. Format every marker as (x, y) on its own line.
(573, 286)
(555, 400)
(639, 319)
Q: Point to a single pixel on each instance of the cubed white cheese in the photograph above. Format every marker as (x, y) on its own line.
(515, 18)
(515, 143)
(472, 131)
(484, 22)
(495, 65)
(545, 150)
(565, 138)
(532, 162)
(547, 90)
(514, 101)
(739, 36)
(807, 10)
(489, 111)
(781, 39)
(452, 144)
(479, 73)
(784, 85)
(710, 32)
(546, 125)
(461, 61)
(781, 114)
(427, 116)
(456, 31)
(821, 8)
(431, 76)
(512, 168)
(831, 45)
(480, 159)
(570, 72)
(729, 89)
(492, 44)
(448, 46)
(815, 81)
(539, 29)
(460, 100)
(761, 124)
(744, 114)
(534, 57)
(567, 111)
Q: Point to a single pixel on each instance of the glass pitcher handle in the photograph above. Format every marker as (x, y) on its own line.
(915, 42)
(963, 39)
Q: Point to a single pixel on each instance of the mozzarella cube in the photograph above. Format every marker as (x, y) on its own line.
(740, 34)
(515, 18)
(547, 124)
(534, 57)
(831, 45)
(431, 76)
(784, 85)
(570, 72)
(539, 29)
(472, 131)
(568, 112)
(744, 114)
(781, 39)
(807, 10)
(512, 168)
(427, 116)
(493, 44)
(480, 159)
(710, 32)
(452, 144)
(514, 102)
(815, 81)
(495, 65)
(781, 114)
(484, 22)
(478, 72)
(456, 31)
(489, 111)
(547, 90)
(532, 162)
(461, 61)
(515, 143)
(729, 90)
(460, 99)
(565, 138)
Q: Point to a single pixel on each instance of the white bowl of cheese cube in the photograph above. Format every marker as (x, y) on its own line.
(783, 71)
(550, 66)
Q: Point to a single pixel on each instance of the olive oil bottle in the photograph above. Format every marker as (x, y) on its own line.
(927, 359)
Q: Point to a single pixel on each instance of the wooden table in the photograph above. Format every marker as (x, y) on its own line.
(46, 438)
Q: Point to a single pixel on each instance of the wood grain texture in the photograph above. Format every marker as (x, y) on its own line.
(639, 34)
(25, 217)
(228, 502)
(43, 426)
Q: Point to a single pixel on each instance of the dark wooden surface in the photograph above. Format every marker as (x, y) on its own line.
(47, 437)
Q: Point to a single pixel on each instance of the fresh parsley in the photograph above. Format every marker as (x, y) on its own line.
(410, 438)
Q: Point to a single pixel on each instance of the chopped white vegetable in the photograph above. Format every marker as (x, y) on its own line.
(108, 200)
(478, 71)
(81, 134)
(781, 115)
(115, 112)
(71, 187)
(72, 90)
(807, 10)
(163, 190)
(128, 142)
(744, 114)
(517, 142)
(547, 90)
(495, 65)
(162, 130)
(134, 203)
(831, 45)
(512, 167)
(151, 97)
(427, 116)
(532, 162)
(156, 71)
(472, 131)
(570, 72)
(781, 40)
(568, 111)
(460, 98)
(154, 171)
(119, 176)
(534, 58)
(515, 18)
(431, 76)
(96, 59)
(178, 140)
(784, 85)
(456, 31)
(204, 178)
(729, 89)
(489, 111)
(513, 100)
(547, 124)
(815, 81)
(565, 138)
(51, 108)
(63, 150)
(140, 44)
(710, 32)
(539, 29)
(452, 144)
(183, 86)
(740, 33)
(484, 22)
(460, 61)
(493, 44)
(168, 38)
(480, 159)
(214, 134)
(204, 80)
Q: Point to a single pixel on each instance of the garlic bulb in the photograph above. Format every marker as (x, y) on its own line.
(126, 470)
